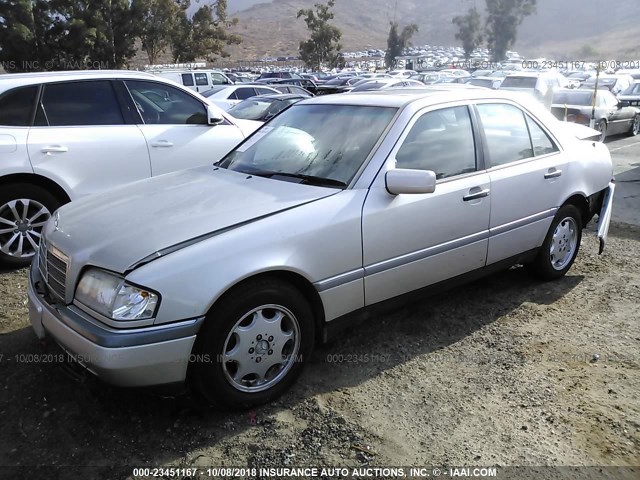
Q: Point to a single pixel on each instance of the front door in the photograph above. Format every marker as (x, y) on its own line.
(414, 240)
(175, 126)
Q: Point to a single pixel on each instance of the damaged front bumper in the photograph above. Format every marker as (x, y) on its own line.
(604, 217)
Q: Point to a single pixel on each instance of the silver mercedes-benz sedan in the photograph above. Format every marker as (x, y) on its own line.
(225, 276)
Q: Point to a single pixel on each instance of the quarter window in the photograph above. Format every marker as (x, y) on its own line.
(16, 106)
(441, 141)
(163, 104)
(542, 144)
(506, 132)
(81, 103)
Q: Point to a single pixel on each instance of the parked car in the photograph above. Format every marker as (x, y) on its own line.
(614, 83)
(264, 107)
(611, 117)
(226, 275)
(486, 82)
(265, 75)
(631, 96)
(540, 85)
(226, 97)
(384, 84)
(337, 85)
(198, 80)
(64, 135)
(293, 89)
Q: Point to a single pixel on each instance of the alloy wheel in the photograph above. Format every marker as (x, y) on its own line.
(21, 224)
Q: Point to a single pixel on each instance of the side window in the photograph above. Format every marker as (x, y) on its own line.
(266, 91)
(81, 103)
(244, 93)
(159, 103)
(201, 79)
(441, 141)
(16, 106)
(506, 133)
(187, 80)
(542, 144)
(217, 79)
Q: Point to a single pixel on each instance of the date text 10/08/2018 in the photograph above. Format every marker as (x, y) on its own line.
(582, 64)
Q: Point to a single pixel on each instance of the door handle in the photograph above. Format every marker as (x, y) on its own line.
(162, 144)
(552, 173)
(54, 149)
(476, 195)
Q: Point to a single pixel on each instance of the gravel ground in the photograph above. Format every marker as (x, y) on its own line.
(504, 371)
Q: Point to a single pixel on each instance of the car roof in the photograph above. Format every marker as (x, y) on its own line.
(399, 98)
(8, 80)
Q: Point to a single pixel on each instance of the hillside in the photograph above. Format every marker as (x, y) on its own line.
(272, 28)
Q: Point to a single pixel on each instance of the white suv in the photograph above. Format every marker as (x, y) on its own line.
(64, 135)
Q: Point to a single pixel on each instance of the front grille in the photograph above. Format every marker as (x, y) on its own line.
(53, 268)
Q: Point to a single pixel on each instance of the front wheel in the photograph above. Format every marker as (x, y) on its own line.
(24, 210)
(602, 128)
(561, 245)
(253, 344)
(635, 128)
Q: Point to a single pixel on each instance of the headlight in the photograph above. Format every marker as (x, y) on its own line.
(111, 296)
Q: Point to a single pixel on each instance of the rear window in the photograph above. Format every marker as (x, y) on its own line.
(519, 82)
(81, 103)
(576, 97)
(16, 106)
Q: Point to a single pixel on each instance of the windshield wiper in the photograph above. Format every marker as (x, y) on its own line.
(308, 179)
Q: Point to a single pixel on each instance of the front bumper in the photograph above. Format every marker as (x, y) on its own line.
(130, 358)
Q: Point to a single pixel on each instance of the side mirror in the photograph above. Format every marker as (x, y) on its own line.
(399, 181)
(213, 115)
(620, 105)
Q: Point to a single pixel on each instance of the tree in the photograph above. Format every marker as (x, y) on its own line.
(24, 26)
(155, 21)
(397, 42)
(469, 31)
(90, 33)
(503, 19)
(323, 46)
(205, 35)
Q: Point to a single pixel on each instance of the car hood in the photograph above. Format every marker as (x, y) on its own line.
(133, 224)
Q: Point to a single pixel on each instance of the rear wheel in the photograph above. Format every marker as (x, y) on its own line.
(561, 245)
(24, 210)
(253, 345)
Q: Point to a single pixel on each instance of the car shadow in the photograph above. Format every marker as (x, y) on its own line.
(53, 418)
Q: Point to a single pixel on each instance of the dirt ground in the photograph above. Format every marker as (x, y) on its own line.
(504, 371)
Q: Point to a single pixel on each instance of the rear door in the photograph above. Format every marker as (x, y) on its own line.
(174, 124)
(16, 113)
(80, 138)
(528, 175)
(202, 81)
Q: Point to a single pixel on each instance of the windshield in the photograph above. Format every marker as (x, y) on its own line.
(574, 97)
(322, 141)
(251, 109)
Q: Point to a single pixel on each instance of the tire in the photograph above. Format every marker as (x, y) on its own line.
(635, 128)
(561, 245)
(24, 209)
(235, 358)
(602, 128)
